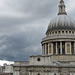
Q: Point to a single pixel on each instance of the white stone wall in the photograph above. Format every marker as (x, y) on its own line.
(21, 63)
(1, 69)
(8, 69)
(43, 60)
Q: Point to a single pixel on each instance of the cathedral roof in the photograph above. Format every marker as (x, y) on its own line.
(62, 20)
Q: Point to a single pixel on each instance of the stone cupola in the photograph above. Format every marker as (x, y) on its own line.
(60, 35)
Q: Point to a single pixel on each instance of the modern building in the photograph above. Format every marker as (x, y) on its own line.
(58, 49)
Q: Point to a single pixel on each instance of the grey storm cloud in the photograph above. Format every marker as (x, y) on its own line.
(23, 24)
(19, 46)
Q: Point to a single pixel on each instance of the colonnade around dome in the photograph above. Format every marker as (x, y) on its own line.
(58, 48)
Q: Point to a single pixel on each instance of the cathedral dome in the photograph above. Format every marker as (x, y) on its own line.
(62, 20)
(60, 35)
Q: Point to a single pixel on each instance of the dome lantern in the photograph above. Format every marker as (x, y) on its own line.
(62, 8)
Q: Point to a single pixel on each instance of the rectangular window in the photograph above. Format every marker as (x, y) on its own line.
(50, 48)
(68, 47)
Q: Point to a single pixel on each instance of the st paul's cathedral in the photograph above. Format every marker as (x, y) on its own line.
(58, 49)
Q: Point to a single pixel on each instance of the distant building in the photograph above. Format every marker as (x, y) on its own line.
(58, 49)
(1, 69)
(6, 69)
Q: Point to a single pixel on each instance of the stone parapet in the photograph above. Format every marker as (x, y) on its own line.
(63, 57)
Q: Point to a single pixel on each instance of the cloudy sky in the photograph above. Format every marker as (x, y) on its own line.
(23, 24)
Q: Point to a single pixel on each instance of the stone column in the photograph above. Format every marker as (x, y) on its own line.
(45, 49)
(32, 73)
(56, 48)
(60, 47)
(42, 49)
(52, 48)
(74, 47)
(29, 73)
(70, 48)
(48, 48)
(65, 47)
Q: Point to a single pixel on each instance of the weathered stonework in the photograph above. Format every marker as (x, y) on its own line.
(63, 58)
(58, 49)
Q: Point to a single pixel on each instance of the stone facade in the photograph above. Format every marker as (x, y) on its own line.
(58, 49)
(46, 65)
